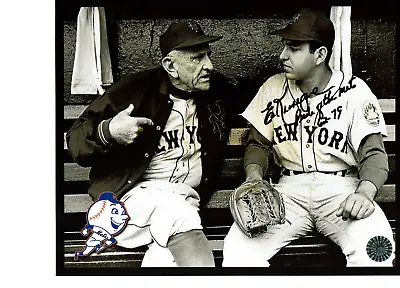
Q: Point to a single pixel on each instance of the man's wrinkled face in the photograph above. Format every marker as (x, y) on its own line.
(194, 68)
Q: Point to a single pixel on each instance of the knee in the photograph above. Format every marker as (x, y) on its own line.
(239, 251)
(174, 216)
(377, 251)
(234, 258)
(370, 241)
(359, 259)
(230, 242)
(157, 256)
(178, 208)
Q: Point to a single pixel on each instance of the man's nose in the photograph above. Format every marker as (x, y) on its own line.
(283, 55)
(208, 64)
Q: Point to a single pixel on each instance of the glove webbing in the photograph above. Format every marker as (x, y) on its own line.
(256, 202)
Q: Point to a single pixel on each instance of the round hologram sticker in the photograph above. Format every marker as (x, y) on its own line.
(379, 248)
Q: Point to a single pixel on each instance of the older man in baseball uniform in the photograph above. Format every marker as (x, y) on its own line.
(155, 139)
(326, 130)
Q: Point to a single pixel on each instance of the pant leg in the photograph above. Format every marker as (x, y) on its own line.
(242, 251)
(157, 211)
(353, 236)
(157, 256)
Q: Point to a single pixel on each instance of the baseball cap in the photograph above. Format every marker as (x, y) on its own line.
(308, 25)
(182, 35)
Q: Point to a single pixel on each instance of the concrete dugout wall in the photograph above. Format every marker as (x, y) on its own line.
(246, 51)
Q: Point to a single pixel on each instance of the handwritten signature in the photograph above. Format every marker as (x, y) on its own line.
(303, 108)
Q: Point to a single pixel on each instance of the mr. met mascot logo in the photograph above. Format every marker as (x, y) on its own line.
(105, 218)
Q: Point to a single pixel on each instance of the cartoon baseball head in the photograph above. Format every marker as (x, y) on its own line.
(108, 213)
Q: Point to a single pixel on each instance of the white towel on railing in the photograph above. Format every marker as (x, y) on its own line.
(340, 60)
(92, 63)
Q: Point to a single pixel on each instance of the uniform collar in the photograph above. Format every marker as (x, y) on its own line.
(335, 81)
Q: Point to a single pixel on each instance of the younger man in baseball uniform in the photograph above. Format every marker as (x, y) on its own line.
(156, 140)
(326, 130)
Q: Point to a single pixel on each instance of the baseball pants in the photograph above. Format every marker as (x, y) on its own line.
(158, 210)
(311, 201)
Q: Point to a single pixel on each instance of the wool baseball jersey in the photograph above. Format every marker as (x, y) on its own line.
(178, 156)
(320, 131)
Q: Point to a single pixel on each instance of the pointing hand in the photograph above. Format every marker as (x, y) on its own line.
(125, 128)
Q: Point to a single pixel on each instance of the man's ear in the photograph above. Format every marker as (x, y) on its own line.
(321, 54)
(168, 65)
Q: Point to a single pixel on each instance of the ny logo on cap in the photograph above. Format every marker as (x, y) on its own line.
(194, 26)
(294, 19)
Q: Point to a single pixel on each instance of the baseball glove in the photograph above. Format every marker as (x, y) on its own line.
(255, 206)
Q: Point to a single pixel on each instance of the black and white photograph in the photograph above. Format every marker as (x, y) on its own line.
(237, 141)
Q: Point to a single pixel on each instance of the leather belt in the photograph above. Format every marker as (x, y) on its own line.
(292, 173)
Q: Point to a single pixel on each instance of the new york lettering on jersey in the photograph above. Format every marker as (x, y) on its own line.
(178, 156)
(171, 139)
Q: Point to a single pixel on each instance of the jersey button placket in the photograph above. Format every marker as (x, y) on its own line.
(307, 151)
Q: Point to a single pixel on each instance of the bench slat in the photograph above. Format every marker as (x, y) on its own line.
(295, 254)
(74, 111)
(215, 245)
(81, 202)
(391, 131)
(387, 105)
(74, 172)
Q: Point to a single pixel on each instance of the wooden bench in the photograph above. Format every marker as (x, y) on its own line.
(313, 250)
